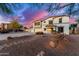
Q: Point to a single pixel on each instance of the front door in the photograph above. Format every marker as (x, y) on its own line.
(60, 29)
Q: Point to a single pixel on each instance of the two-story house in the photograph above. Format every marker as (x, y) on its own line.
(53, 23)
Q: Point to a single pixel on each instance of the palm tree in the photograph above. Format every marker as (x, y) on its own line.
(6, 7)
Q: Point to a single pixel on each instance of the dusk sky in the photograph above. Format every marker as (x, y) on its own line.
(27, 13)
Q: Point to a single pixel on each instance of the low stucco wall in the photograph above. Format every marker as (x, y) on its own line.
(38, 30)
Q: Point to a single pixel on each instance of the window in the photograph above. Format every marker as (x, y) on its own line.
(60, 20)
(50, 22)
(37, 23)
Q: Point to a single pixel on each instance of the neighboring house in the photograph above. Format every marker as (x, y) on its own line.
(30, 29)
(4, 26)
(54, 23)
(26, 29)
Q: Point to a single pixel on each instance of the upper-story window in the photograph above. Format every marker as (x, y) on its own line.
(50, 21)
(37, 23)
(60, 20)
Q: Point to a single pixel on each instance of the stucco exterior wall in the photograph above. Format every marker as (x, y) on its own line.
(65, 19)
(37, 28)
(65, 24)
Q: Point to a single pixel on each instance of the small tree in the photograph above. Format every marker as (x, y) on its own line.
(15, 25)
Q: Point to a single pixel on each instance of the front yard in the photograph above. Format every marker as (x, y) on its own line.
(34, 45)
